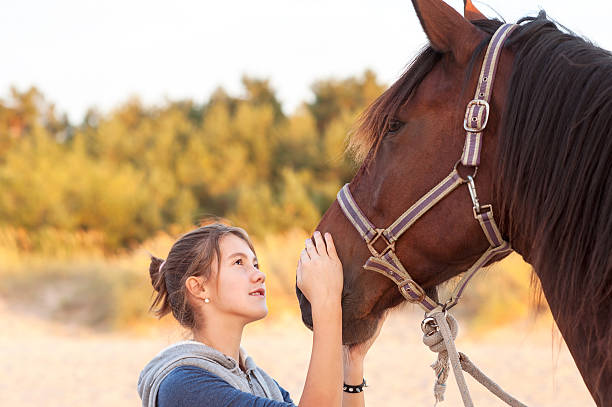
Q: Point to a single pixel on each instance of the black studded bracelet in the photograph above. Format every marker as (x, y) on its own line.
(354, 389)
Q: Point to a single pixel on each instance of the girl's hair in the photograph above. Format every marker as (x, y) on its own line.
(191, 255)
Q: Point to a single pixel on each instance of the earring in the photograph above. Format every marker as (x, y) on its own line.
(206, 300)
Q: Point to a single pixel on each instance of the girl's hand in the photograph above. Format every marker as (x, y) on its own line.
(319, 271)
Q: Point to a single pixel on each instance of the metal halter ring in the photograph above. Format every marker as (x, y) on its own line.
(464, 179)
(431, 323)
(445, 306)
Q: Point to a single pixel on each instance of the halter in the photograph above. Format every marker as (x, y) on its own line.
(386, 261)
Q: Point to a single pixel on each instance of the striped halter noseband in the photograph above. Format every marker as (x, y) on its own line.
(386, 261)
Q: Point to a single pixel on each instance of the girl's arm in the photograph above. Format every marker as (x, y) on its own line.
(353, 368)
(319, 277)
(353, 375)
(323, 385)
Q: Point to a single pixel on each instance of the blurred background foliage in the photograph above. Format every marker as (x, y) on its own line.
(140, 169)
(82, 203)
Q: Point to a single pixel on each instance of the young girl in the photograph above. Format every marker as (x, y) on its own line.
(212, 284)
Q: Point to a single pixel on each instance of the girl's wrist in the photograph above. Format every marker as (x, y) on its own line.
(353, 368)
(353, 373)
(326, 306)
(327, 314)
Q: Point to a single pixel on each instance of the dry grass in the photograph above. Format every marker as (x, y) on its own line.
(80, 285)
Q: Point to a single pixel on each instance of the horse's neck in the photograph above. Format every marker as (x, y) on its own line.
(588, 358)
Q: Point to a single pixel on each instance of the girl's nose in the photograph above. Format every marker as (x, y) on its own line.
(259, 276)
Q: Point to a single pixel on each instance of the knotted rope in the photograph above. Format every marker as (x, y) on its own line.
(439, 333)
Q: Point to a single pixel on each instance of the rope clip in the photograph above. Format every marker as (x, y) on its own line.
(473, 195)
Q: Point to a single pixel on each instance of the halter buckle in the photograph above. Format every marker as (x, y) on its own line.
(411, 285)
(476, 116)
(389, 245)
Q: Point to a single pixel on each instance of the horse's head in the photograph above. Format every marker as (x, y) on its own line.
(544, 166)
(411, 137)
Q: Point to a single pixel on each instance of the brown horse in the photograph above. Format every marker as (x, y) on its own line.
(546, 168)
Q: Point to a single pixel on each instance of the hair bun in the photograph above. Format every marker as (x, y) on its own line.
(157, 277)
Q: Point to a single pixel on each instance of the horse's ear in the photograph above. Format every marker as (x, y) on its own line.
(447, 30)
(471, 12)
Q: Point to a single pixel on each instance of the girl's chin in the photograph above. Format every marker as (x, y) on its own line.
(256, 316)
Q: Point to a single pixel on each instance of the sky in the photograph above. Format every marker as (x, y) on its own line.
(86, 53)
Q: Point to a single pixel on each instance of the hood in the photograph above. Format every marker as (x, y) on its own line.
(188, 353)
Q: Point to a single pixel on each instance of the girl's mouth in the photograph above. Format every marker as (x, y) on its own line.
(260, 292)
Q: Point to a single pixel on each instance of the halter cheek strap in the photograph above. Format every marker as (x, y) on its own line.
(386, 261)
(477, 112)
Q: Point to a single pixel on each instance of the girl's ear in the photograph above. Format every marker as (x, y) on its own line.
(195, 286)
(447, 30)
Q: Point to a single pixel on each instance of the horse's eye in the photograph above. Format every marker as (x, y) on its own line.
(394, 126)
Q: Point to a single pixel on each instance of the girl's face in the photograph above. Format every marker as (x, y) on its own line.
(240, 288)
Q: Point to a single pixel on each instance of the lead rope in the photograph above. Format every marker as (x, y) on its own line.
(439, 333)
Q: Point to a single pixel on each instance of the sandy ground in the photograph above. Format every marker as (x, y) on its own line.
(44, 363)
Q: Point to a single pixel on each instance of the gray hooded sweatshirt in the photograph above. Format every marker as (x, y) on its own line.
(192, 353)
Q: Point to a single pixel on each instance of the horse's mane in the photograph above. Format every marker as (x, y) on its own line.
(554, 162)
(554, 170)
(367, 134)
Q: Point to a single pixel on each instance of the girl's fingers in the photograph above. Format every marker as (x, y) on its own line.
(304, 257)
(331, 248)
(310, 248)
(320, 244)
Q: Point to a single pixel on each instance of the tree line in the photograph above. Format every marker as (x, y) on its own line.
(138, 169)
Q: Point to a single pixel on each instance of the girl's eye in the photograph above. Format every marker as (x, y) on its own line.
(256, 266)
(394, 126)
(239, 262)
